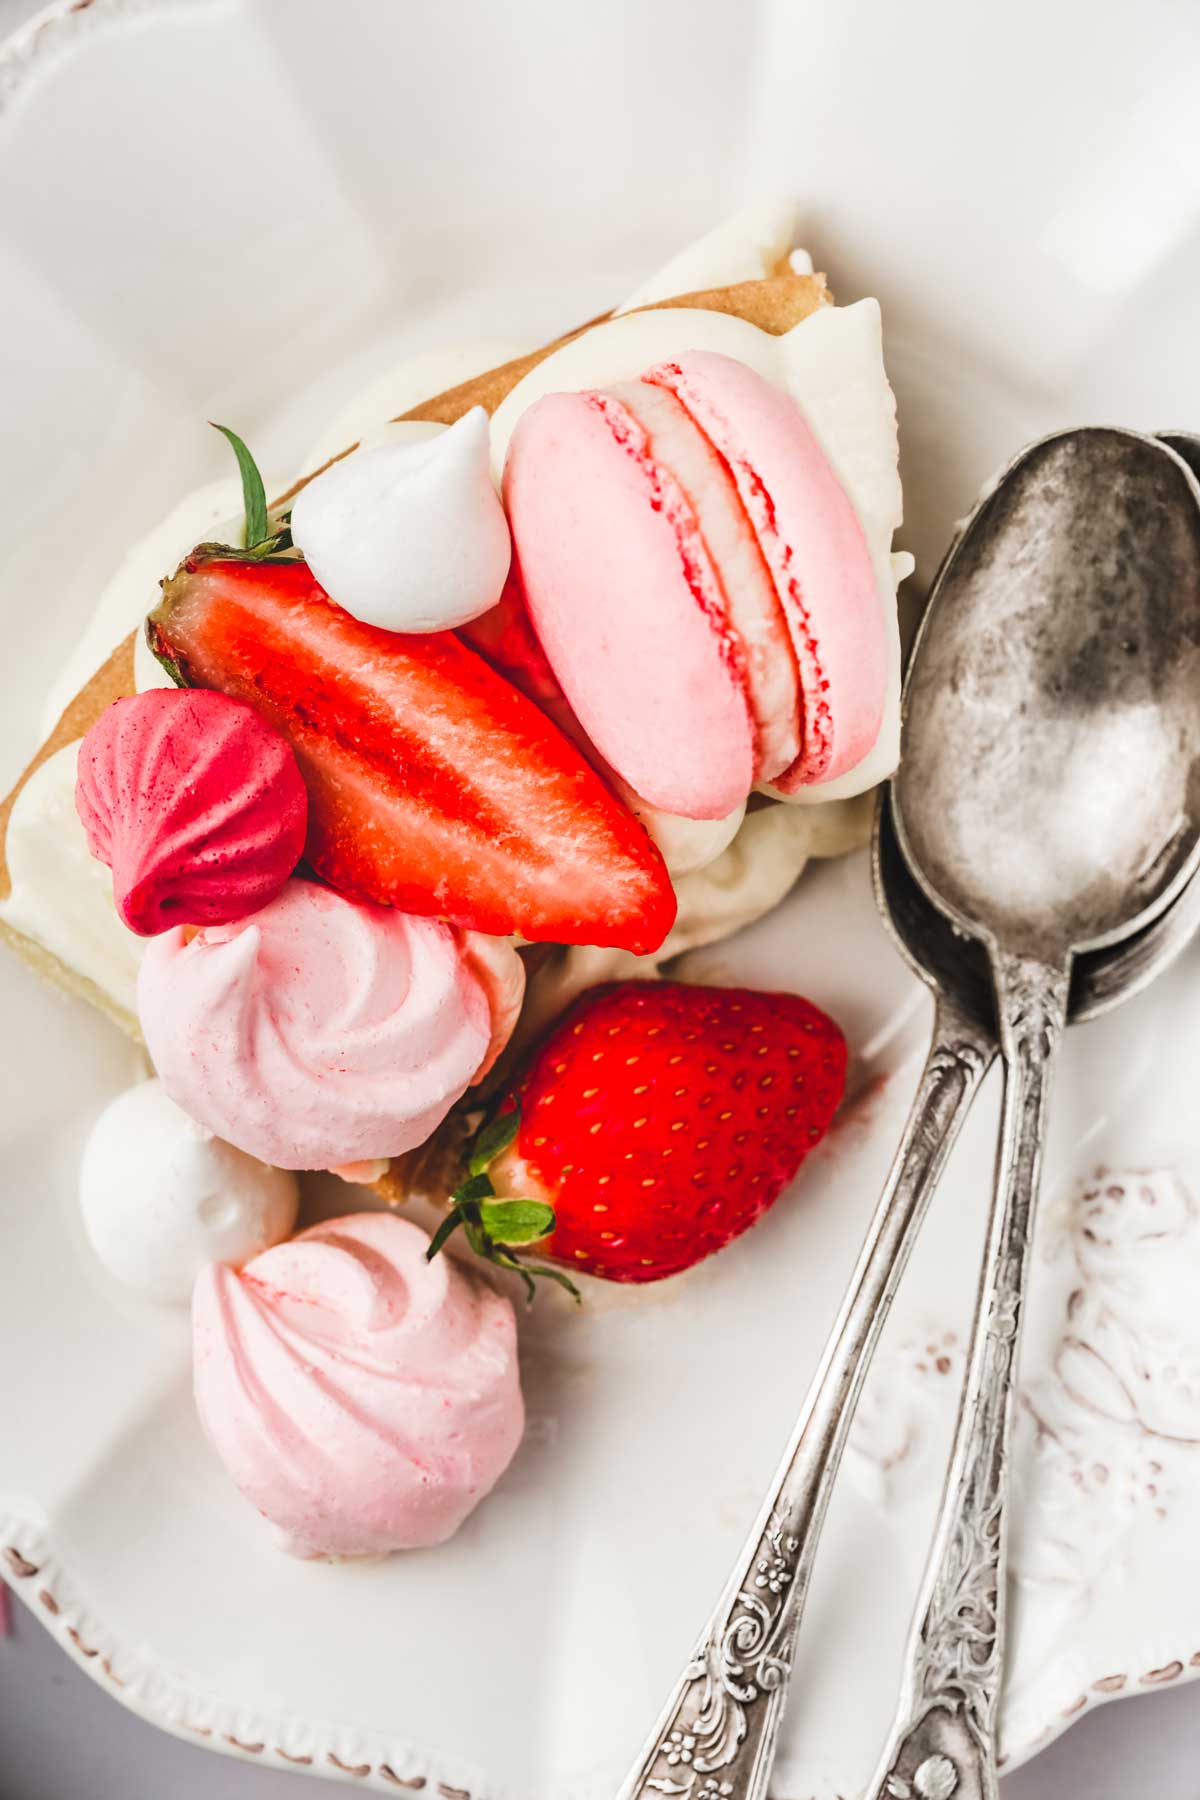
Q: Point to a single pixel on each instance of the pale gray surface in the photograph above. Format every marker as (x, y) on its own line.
(63, 1738)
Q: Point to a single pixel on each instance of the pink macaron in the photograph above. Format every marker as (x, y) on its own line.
(700, 583)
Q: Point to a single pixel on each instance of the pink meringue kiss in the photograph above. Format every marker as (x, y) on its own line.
(501, 974)
(362, 1399)
(196, 804)
(322, 1031)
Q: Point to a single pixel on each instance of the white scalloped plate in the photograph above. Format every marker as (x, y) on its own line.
(201, 205)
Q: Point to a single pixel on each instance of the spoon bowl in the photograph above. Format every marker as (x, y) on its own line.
(952, 963)
(1049, 794)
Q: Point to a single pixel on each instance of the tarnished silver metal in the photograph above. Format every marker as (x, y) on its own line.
(716, 1737)
(947, 1713)
(1061, 655)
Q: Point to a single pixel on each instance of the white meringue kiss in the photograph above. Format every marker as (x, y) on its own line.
(411, 535)
(162, 1197)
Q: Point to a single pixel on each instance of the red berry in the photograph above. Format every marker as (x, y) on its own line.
(434, 785)
(660, 1120)
(504, 636)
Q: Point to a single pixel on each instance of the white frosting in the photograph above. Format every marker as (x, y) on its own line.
(61, 896)
(409, 536)
(832, 366)
(685, 845)
(744, 248)
(212, 512)
(162, 1197)
(405, 385)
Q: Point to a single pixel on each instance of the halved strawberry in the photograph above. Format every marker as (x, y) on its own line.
(434, 786)
(653, 1126)
(504, 636)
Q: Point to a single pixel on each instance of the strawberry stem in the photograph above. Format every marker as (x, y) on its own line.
(254, 494)
(492, 1223)
(261, 541)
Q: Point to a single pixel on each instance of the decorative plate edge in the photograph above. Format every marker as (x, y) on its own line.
(58, 27)
(35, 1574)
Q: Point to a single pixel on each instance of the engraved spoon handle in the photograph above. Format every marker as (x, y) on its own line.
(716, 1737)
(943, 1741)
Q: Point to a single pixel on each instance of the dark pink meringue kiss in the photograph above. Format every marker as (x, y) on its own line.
(195, 803)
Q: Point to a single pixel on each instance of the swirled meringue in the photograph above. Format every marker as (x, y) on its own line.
(322, 1031)
(362, 1399)
(501, 974)
(196, 804)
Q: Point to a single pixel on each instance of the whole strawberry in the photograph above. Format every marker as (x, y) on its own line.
(658, 1121)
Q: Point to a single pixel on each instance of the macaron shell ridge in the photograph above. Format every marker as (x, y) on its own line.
(813, 544)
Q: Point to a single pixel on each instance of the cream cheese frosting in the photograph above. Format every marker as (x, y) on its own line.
(60, 895)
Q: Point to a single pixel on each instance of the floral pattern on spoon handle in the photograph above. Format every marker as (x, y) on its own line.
(943, 1744)
(716, 1738)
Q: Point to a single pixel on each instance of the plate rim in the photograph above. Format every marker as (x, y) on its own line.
(40, 1578)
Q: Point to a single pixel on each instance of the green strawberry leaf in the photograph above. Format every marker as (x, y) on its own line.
(446, 1229)
(516, 1221)
(491, 1223)
(549, 1274)
(492, 1138)
(528, 1271)
(478, 1239)
(254, 495)
(474, 1188)
(276, 545)
(505, 1261)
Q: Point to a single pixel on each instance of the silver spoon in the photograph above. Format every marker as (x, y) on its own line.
(718, 1731)
(1048, 803)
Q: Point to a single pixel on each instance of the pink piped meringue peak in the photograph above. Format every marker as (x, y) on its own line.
(320, 1032)
(363, 1399)
(196, 804)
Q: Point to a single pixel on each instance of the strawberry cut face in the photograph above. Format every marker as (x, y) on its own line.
(434, 785)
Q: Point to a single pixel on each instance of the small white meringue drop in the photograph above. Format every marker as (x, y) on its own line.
(162, 1197)
(409, 535)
